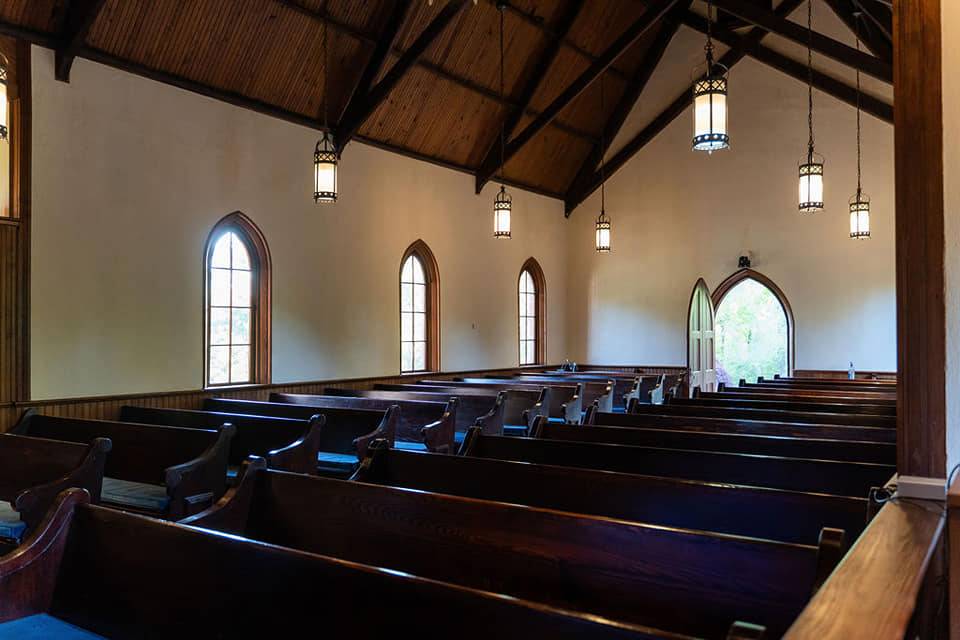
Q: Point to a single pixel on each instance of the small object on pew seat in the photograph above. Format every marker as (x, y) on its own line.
(746, 631)
(851, 372)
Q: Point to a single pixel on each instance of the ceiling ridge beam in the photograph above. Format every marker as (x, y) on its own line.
(514, 114)
(577, 194)
(654, 12)
(353, 119)
(80, 16)
(630, 96)
(824, 45)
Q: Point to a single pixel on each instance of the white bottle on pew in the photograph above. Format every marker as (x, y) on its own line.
(851, 372)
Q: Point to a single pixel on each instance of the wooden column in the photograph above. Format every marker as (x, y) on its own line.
(921, 313)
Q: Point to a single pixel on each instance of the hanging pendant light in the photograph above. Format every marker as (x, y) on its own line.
(811, 167)
(503, 203)
(860, 202)
(603, 220)
(4, 131)
(325, 156)
(710, 100)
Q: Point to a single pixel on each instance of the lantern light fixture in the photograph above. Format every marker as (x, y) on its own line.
(811, 167)
(710, 100)
(603, 232)
(4, 130)
(326, 157)
(503, 203)
(860, 202)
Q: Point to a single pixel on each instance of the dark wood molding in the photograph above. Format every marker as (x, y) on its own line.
(80, 16)
(431, 269)
(354, 117)
(797, 33)
(652, 16)
(541, 67)
(540, 282)
(578, 193)
(749, 274)
(921, 312)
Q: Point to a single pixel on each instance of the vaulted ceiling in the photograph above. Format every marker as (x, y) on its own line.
(423, 78)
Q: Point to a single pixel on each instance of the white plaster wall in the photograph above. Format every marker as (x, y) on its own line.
(679, 215)
(129, 176)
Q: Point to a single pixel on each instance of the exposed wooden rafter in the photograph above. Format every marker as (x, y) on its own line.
(354, 118)
(653, 14)
(80, 16)
(543, 64)
(824, 45)
(630, 96)
(874, 32)
(579, 191)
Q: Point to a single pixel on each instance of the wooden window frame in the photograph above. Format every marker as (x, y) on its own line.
(432, 274)
(18, 116)
(540, 284)
(260, 300)
(749, 274)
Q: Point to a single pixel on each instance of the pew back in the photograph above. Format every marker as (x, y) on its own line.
(857, 420)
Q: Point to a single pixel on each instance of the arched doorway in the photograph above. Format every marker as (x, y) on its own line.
(754, 328)
(700, 339)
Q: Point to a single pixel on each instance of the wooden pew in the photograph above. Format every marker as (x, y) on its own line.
(34, 470)
(787, 516)
(794, 397)
(830, 382)
(886, 390)
(869, 396)
(778, 415)
(737, 425)
(783, 446)
(601, 391)
(345, 436)
(487, 410)
(431, 424)
(566, 401)
(796, 474)
(163, 471)
(622, 384)
(122, 575)
(616, 569)
(286, 443)
(517, 401)
(831, 406)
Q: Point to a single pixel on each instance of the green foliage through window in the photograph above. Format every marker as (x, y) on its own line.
(751, 334)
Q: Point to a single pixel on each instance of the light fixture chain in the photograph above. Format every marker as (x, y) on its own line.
(503, 134)
(603, 146)
(326, 74)
(858, 111)
(810, 76)
(709, 45)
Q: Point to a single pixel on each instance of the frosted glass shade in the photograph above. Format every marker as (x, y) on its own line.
(710, 114)
(502, 206)
(603, 233)
(811, 187)
(860, 218)
(325, 161)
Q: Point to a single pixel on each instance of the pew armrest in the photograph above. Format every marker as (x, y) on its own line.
(300, 456)
(372, 463)
(492, 423)
(605, 402)
(573, 410)
(230, 513)
(387, 430)
(438, 435)
(194, 485)
(33, 503)
(541, 408)
(29, 571)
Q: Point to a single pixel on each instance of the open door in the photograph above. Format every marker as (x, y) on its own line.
(700, 342)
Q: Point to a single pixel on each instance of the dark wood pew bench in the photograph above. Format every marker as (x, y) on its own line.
(286, 443)
(622, 385)
(739, 425)
(345, 436)
(566, 401)
(168, 472)
(486, 410)
(423, 425)
(863, 392)
(89, 572)
(795, 474)
(34, 470)
(616, 569)
(784, 446)
(588, 391)
(756, 512)
(857, 420)
(793, 397)
(832, 406)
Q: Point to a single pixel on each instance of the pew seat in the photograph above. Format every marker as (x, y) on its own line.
(11, 526)
(44, 627)
(136, 495)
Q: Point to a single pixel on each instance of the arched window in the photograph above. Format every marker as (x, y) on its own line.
(237, 310)
(419, 310)
(531, 314)
(753, 328)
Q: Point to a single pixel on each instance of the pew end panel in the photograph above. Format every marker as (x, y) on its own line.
(573, 409)
(830, 549)
(300, 456)
(28, 575)
(387, 430)
(196, 484)
(605, 401)
(231, 512)
(33, 503)
(439, 436)
(492, 423)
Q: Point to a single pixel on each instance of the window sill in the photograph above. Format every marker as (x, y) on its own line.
(233, 387)
(13, 222)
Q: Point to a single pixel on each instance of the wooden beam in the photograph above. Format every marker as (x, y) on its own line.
(630, 96)
(920, 238)
(578, 193)
(821, 81)
(879, 15)
(540, 69)
(820, 43)
(655, 11)
(353, 119)
(80, 16)
(880, 46)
